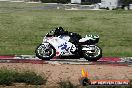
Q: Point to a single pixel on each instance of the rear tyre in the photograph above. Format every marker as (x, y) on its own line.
(45, 52)
(94, 56)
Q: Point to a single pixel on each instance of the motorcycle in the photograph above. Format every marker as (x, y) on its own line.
(61, 46)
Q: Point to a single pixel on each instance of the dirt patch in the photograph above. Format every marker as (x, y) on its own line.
(55, 73)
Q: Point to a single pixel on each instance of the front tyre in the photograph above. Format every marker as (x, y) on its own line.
(45, 52)
(94, 55)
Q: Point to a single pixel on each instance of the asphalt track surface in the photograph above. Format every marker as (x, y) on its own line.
(34, 60)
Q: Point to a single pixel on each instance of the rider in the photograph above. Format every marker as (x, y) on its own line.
(74, 37)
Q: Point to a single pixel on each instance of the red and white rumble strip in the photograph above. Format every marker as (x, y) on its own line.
(127, 61)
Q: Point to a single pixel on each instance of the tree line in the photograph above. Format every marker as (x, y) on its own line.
(126, 1)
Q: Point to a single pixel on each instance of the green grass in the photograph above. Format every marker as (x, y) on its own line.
(22, 28)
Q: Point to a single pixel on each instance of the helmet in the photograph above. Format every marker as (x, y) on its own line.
(59, 31)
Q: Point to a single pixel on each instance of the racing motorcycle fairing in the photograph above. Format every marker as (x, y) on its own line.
(61, 44)
(89, 39)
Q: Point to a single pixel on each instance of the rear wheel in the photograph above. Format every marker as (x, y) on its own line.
(45, 52)
(93, 55)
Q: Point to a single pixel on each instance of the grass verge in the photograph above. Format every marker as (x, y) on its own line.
(8, 77)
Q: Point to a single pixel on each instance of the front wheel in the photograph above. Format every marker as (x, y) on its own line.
(45, 52)
(93, 55)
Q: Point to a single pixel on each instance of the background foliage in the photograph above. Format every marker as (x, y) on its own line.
(126, 1)
(56, 1)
